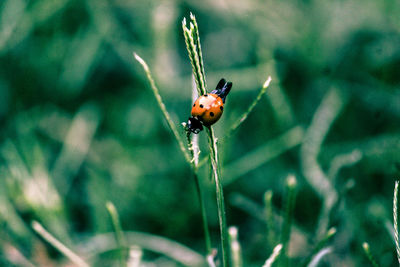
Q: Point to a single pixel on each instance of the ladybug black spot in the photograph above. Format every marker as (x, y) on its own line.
(194, 104)
(221, 108)
(201, 105)
(205, 95)
(212, 114)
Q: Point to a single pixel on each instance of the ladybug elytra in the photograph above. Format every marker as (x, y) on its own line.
(208, 108)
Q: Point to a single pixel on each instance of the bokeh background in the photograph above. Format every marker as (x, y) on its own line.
(80, 126)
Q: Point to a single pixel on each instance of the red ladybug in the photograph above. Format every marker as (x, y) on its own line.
(208, 108)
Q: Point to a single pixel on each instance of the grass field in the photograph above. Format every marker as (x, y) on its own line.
(96, 168)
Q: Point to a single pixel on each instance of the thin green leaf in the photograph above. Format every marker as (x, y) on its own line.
(72, 256)
(196, 36)
(236, 250)
(395, 219)
(250, 108)
(118, 231)
(369, 255)
(291, 185)
(163, 109)
(319, 246)
(212, 141)
(276, 252)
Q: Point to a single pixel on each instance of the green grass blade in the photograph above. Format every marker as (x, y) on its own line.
(212, 141)
(196, 37)
(194, 57)
(318, 257)
(203, 214)
(395, 219)
(269, 217)
(250, 108)
(163, 108)
(323, 119)
(178, 252)
(72, 256)
(369, 255)
(236, 250)
(193, 143)
(119, 236)
(135, 257)
(291, 185)
(193, 148)
(211, 258)
(275, 254)
(319, 246)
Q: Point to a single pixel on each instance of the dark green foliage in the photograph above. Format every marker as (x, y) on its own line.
(80, 126)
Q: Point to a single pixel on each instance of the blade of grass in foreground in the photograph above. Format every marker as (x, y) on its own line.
(193, 143)
(269, 217)
(236, 250)
(135, 257)
(58, 245)
(192, 40)
(319, 246)
(317, 258)
(395, 219)
(325, 115)
(148, 242)
(274, 256)
(250, 109)
(192, 159)
(118, 232)
(212, 141)
(291, 185)
(369, 255)
(162, 107)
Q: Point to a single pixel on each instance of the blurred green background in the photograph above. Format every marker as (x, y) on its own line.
(80, 125)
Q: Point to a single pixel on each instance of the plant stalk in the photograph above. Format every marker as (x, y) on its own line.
(220, 199)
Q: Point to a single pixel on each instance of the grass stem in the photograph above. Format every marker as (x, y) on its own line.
(193, 46)
(195, 161)
(192, 40)
(250, 108)
(331, 232)
(276, 252)
(369, 255)
(39, 229)
(269, 217)
(161, 104)
(193, 144)
(236, 250)
(395, 219)
(291, 185)
(119, 237)
(212, 141)
(319, 256)
(135, 257)
(203, 214)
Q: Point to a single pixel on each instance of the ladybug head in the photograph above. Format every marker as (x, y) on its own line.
(194, 125)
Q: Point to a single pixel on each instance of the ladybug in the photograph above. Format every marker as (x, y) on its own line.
(208, 108)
